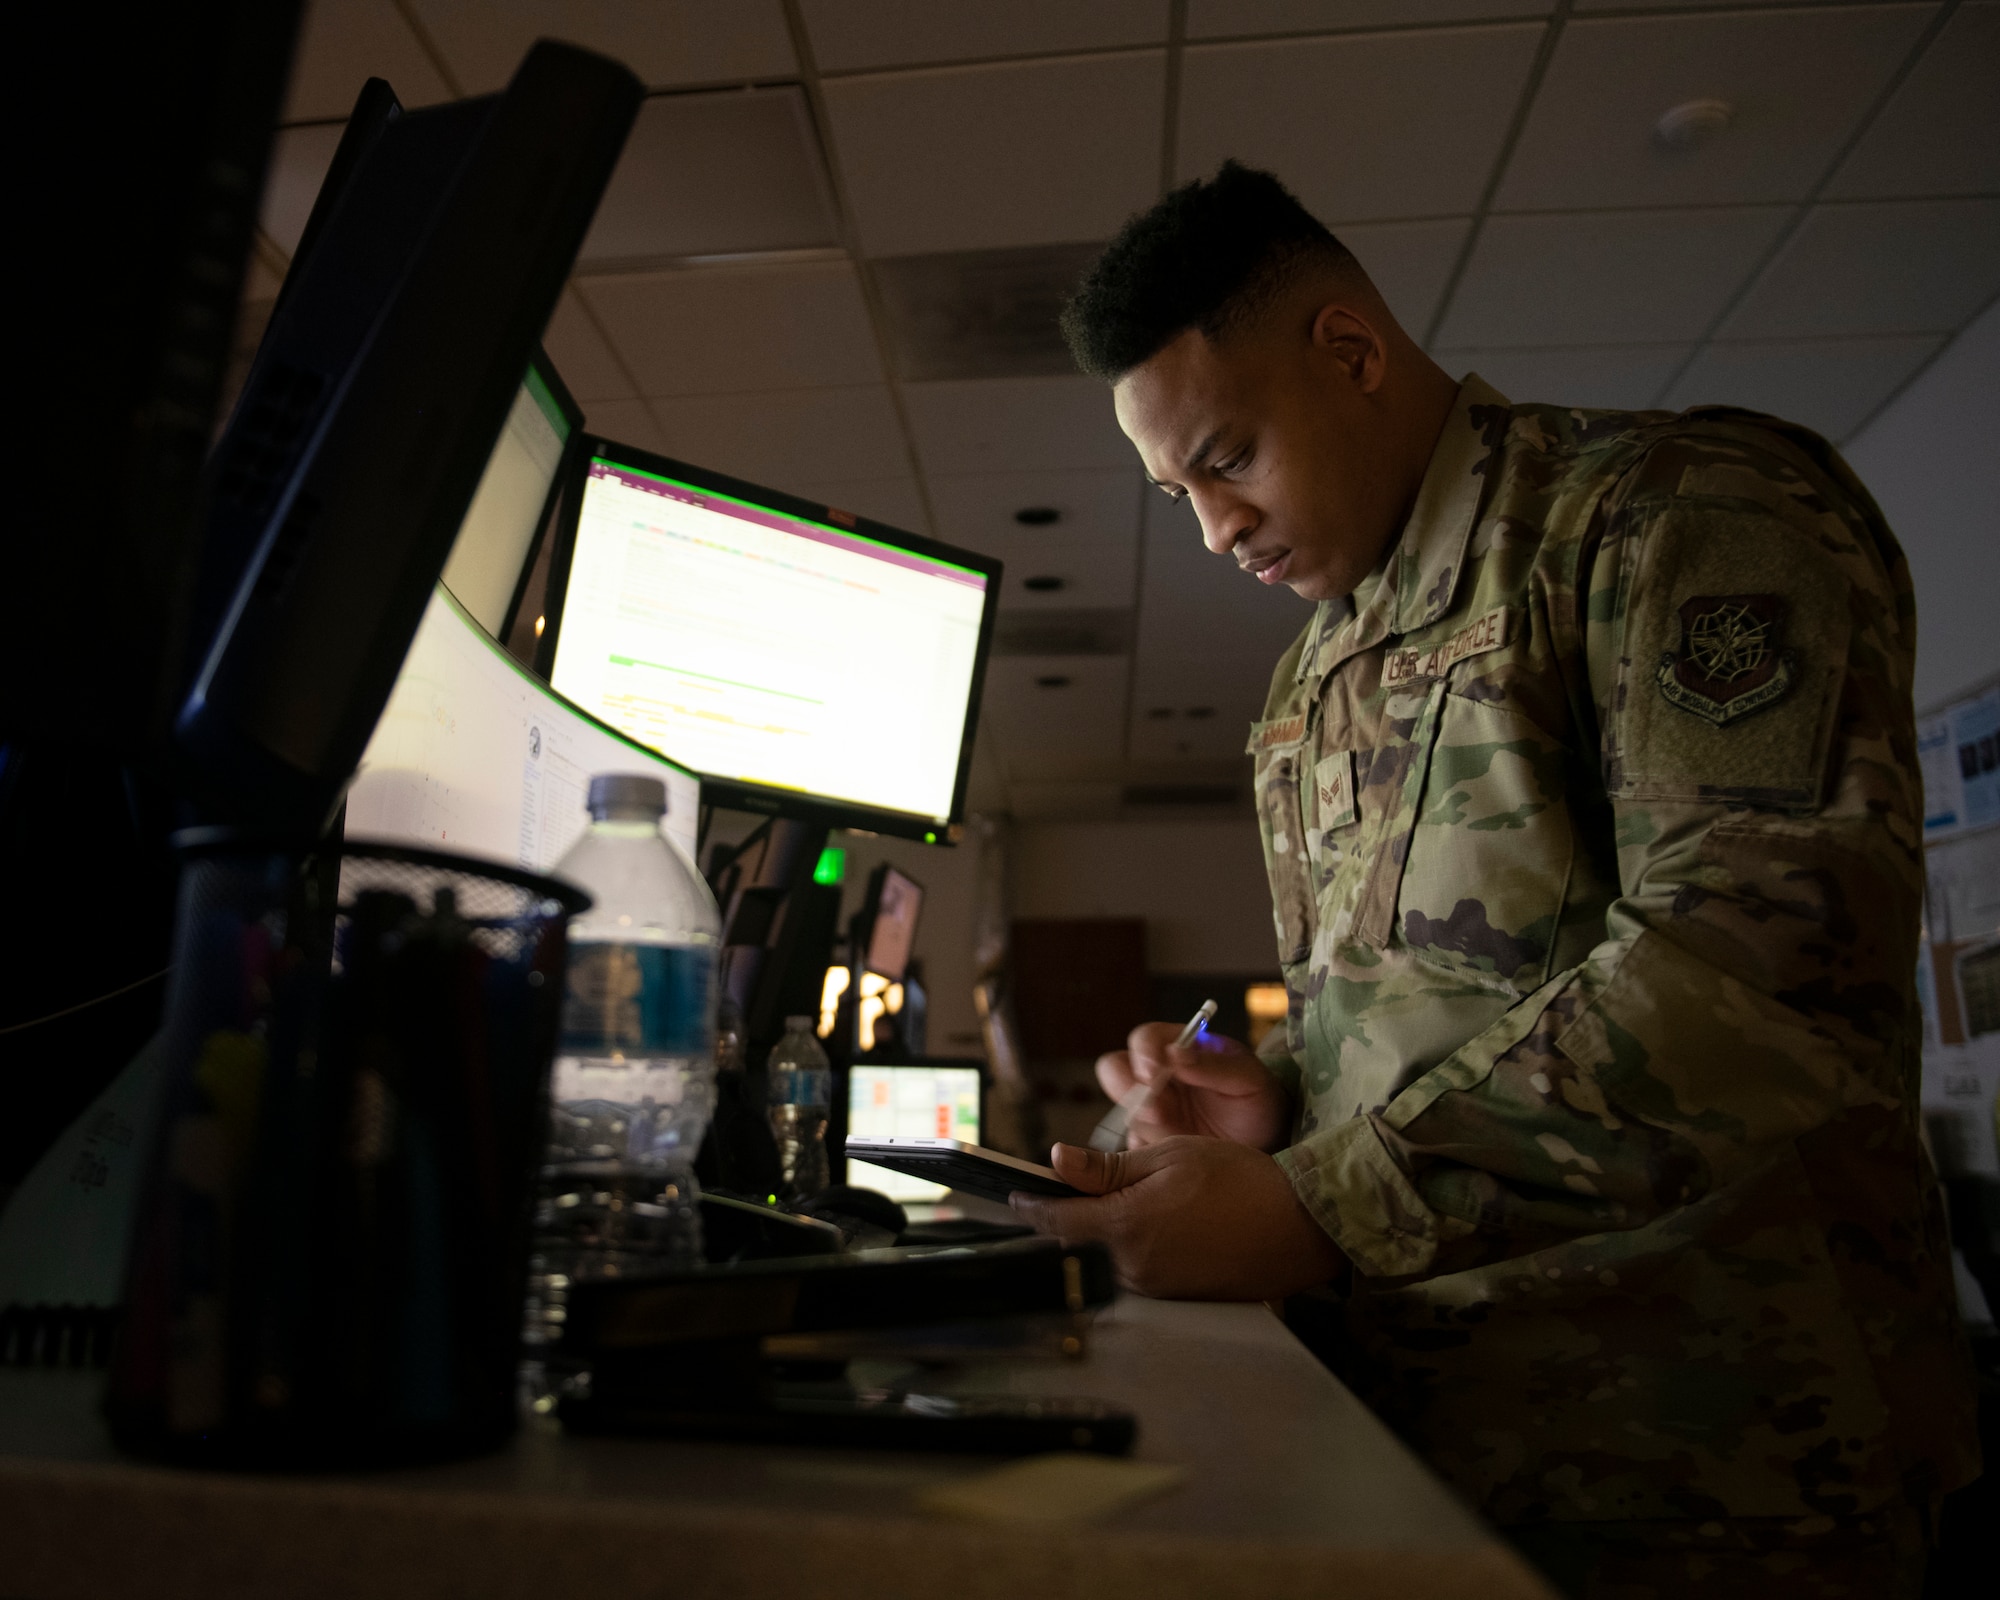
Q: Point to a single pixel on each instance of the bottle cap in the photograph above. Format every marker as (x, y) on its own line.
(626, 797)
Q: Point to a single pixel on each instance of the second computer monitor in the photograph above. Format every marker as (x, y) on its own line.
(799, 660)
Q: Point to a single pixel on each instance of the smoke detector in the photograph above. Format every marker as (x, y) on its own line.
(1693, 124)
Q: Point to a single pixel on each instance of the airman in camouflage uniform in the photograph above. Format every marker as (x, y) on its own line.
(1593, 833)
(1590, 807)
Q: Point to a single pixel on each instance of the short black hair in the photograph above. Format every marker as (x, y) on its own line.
(1207, 256)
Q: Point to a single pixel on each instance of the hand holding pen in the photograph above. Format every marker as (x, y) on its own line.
(1211, 1087)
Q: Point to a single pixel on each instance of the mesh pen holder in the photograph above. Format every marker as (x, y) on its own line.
(329, 1259)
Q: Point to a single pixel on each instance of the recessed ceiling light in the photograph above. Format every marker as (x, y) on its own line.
(1693, 123)
(1042, 583)
(1037, 516)
(1054, 680)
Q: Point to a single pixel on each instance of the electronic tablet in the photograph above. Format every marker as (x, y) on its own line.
(966, 1167)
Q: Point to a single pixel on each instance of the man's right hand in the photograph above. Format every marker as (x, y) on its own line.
(1218, 1089)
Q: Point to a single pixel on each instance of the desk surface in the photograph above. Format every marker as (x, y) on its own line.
(1292, 1487)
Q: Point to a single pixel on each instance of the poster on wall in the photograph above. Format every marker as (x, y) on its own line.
(1959, 752)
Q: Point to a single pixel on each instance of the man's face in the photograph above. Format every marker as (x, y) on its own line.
(1277, 438)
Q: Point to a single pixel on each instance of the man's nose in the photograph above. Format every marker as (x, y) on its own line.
(1224, 523)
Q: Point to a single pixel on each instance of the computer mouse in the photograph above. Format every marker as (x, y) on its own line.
(864, 1205)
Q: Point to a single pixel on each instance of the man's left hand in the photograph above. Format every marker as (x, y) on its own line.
(1190, 1219)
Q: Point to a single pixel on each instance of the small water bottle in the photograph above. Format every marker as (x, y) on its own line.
(801, 1094)
(634, 1081)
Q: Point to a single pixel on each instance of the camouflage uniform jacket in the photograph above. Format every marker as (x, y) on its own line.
(1592, 824)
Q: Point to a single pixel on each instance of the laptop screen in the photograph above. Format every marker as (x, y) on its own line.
(913, 1102)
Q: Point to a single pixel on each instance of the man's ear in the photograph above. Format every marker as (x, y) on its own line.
(1351, 341)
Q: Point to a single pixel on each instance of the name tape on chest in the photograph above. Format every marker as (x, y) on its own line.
(1277, 733)
(1474, 639)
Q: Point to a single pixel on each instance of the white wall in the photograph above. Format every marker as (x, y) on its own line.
(1199, 886)
(1932, 460)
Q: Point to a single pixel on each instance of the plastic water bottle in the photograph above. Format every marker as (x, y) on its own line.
(634, 1081)
(801, 1080)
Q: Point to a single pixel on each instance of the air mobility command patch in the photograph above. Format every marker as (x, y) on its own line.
(1731, 659)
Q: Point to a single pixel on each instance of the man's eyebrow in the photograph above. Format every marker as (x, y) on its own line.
(1194, 460)
(1201, 451)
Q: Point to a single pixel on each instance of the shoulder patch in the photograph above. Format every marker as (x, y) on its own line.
(1731, 661)
(1735, 643)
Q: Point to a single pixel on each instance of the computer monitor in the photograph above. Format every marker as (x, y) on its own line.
(909, 1102)
(369, 417)
(489, 560)
(894, 903)
(477, 755)
(803, 661)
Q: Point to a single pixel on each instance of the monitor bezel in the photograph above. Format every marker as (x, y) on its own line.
(573, 415)
(735, 794)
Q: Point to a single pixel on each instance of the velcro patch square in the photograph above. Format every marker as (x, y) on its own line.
(1333, 789)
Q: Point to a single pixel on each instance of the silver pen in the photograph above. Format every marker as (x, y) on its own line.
(1110, 1134)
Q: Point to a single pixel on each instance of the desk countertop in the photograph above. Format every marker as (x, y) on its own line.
(1291, 1488)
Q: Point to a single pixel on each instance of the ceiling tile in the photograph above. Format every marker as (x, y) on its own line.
(722, 330)
(1190, 706)
(665, 42)
(1195, 602)
(1209, 638)
(981, 313)
(581, 356)
(1796, 82)
(1212, 19)
(891, 500)
(1362, 126)
(342, 44)
(715, 174)
(977, 510)
(857, 34)
(1598, 377)
(1940, 134)
(784, 440)
(1083, 719)
(299, 161)
(1409, 261)
(626, 422)
(1676, 5)
(1896, 266)
(973, 158)
(1095, 572)
(1011, 424)
(1830, 385)
(1609, 277)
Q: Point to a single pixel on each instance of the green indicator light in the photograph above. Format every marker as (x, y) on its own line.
(832, 868)
(930, 838)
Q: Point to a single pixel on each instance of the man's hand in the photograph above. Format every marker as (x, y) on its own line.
(1190, 1219)
(1218, 1089)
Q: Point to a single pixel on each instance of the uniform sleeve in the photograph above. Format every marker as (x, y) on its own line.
(1749, 652)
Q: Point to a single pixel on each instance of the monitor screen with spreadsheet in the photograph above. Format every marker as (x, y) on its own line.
(909, 1102)
(799, 659)
(476, 754)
